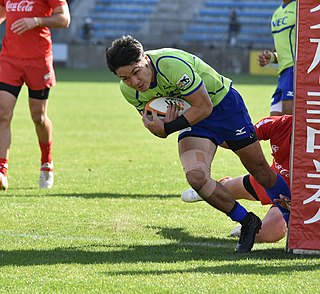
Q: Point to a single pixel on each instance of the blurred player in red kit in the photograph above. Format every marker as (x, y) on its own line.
(26, 58)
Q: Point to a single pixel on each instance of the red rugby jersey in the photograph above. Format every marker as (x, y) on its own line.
(33, 43)
(278, 130)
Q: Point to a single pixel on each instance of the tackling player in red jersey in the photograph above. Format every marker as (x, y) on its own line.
(26, 57)
(277, 129)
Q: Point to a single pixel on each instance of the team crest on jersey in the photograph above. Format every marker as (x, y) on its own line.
(184, 81)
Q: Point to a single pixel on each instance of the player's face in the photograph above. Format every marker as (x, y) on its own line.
(138, 75)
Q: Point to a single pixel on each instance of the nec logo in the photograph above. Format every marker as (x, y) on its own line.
(280, 22)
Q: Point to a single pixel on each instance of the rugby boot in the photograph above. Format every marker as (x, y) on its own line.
(250, 227)
(46, 178)
(3, 182)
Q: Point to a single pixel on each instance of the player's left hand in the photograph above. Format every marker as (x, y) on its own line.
(155, 126)
(23, 24)
(171, 114)
(284, 202)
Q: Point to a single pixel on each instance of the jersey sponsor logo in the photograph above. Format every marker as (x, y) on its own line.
(281, 170)
(183, 81)
(20, 6)
(241, 131)
(280, 22)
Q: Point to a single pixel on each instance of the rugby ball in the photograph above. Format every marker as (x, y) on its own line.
(160, 105)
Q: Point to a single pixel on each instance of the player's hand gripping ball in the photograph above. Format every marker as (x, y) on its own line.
(160, 105)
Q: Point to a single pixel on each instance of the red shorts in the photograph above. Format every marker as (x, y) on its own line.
(260, 191)
(36, 73)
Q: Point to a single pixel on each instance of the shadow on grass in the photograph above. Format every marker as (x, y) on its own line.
(88, 195)
(246, 269)
(183, 248)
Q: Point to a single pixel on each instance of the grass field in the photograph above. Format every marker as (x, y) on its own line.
(114, 221)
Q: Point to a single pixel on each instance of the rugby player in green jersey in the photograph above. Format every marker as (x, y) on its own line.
(283, 27)
(217, 116)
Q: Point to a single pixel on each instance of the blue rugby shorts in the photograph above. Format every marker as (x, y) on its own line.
(228, 121)
(285, 88)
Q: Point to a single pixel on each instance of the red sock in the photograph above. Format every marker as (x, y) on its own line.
(4, 166)
(46, 152)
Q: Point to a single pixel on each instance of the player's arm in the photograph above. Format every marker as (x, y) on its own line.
(200, 109)
(60, 18)
(201, 105)
(2, 14)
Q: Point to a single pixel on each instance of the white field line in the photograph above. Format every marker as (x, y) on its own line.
(97, 239)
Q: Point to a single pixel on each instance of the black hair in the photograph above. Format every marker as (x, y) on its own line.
(123, 51)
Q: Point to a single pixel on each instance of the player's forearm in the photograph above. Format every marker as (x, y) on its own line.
(201, 106)
(59, 19)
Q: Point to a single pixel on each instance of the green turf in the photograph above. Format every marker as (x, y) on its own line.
(114, 221)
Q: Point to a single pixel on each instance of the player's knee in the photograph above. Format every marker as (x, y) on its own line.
(202, 183)
(196, 178)
(5, 116)
(198, 172)
(38, 117)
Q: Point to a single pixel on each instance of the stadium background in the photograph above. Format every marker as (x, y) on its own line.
(200, 27)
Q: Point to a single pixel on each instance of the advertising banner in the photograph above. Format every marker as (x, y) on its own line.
(304, 231)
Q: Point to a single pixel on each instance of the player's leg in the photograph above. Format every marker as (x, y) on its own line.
(282, 99)
(276, 103)
(8, 98)
(196, 155)
(273, 228)
(254, 161)
(40, 77)
(10, 86)
(38, 104)
(237, 188)
(284, 104)
(287, 106)
(234, 185)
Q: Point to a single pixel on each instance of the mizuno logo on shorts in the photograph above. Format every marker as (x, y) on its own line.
(290, 93)
(240, 132)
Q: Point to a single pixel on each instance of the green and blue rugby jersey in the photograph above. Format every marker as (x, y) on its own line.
(283, 26)
(178, 74)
